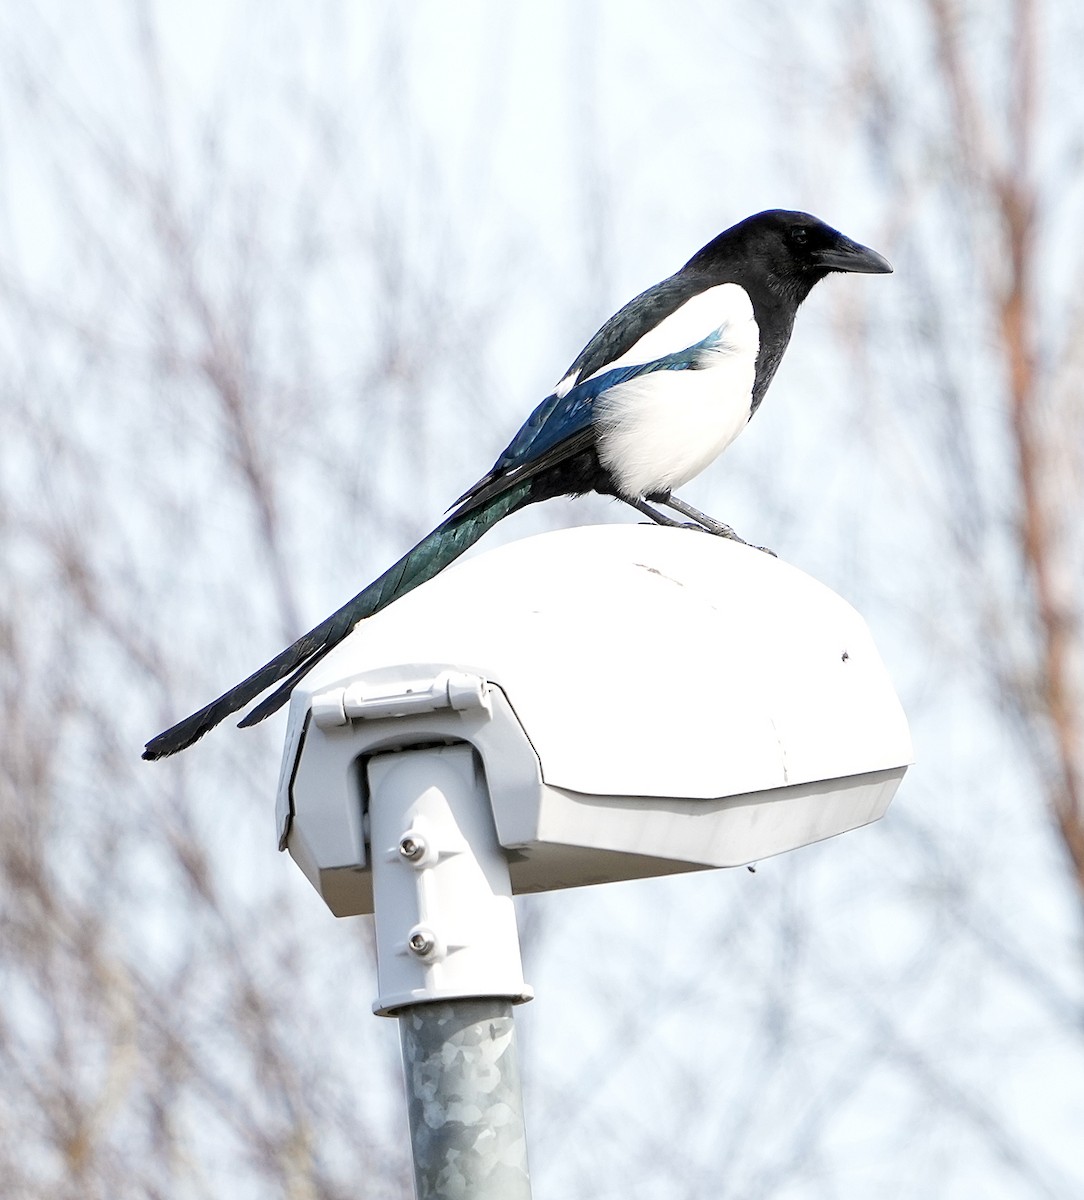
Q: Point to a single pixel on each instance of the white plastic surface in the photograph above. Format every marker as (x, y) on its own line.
(645, 661)
(656, 700)
(441, 879)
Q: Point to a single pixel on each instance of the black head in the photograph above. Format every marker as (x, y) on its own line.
(786, 252)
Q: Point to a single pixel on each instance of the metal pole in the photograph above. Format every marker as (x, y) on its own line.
(449, 968)
(464, 1100)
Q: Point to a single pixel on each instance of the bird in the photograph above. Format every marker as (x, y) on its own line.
(664, 386)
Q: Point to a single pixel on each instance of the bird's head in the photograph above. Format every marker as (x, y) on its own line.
(787, 252)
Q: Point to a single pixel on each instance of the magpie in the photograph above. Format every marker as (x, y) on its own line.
(656, 395)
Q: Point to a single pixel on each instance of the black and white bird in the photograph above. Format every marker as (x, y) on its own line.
(655, 396)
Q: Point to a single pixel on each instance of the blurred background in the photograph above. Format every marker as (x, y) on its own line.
(278, 282)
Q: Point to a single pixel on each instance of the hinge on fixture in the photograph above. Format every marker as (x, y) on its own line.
(366, 700)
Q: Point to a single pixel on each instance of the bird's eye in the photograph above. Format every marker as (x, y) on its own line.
(799, 236)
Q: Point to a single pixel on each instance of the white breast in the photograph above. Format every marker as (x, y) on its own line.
(658, 431)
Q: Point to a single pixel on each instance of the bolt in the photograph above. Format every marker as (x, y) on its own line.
(420, 943)
(411, 848)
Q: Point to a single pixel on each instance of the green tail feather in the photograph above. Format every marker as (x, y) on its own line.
(428, 558)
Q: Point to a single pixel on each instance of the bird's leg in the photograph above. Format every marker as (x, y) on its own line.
(702, 519)
(659, 518)
(698, 520)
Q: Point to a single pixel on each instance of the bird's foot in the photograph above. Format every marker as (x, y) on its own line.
(715, 528)
(718, 529)
(700, 521)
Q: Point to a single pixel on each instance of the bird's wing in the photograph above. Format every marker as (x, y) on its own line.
(683, 317)
(676, 325)
(558, 429)
(640, 318)
(562, 426)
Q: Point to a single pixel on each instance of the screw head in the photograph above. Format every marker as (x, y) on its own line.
(420, 943)
(411, 848)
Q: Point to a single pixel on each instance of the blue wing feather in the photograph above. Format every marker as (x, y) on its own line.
(561, 417)
(561, 426)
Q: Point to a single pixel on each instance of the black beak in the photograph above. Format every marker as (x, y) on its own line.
(846, 255)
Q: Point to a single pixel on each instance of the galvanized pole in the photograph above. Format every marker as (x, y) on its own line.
(449, 968)
(464, 1100)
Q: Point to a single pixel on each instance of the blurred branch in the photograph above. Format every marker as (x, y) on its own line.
(995, 148)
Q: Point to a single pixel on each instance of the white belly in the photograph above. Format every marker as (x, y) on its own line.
(658, 431)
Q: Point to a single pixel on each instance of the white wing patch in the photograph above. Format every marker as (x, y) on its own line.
(659, 430)
(704, 313)
(566, 385)
(718, 307)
